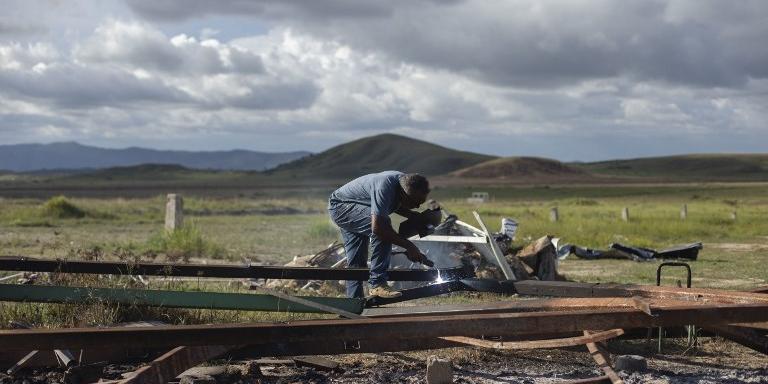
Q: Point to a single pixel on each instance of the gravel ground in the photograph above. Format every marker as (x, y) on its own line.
(715, 361)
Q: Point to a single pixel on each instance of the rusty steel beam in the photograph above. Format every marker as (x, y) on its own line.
(570, 289)
(118, 353)
(19, 263)
(402, 328)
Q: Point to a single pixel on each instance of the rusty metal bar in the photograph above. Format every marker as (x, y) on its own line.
(603, 361)
(537, 344)
(403, 328)
(166, 367)
(19, 263)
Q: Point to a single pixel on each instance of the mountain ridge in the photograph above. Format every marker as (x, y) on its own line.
(71, 155)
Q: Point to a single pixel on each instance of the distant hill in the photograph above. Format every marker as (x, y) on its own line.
(144, 172)
(520, 167)
(73, 156)
(696, 167)
(380, 153)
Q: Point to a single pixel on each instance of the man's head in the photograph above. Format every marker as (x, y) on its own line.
(414, 188)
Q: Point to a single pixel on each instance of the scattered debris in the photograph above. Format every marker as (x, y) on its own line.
(319, 363)
(621, 251)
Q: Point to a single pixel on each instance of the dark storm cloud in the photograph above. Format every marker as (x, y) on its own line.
(165, 10)
(533, 44)
(11, 29)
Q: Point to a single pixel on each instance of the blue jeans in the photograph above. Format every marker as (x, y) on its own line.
(354, 221)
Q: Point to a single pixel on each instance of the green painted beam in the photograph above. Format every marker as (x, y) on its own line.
(171, 299)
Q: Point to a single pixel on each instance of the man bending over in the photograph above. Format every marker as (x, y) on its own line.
(361, 209)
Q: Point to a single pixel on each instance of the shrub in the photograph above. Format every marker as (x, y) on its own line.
(184, 243)
(61, 208)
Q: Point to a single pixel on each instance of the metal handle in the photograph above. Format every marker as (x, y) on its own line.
(673, 264)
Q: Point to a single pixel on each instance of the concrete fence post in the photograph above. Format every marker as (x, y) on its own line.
(684, 212)
(625, 214)
(733, 215)
(174, 212)
(553, 215)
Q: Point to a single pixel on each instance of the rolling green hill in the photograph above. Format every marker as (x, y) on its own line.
(696, 167)
(520, 167)
(379, 153)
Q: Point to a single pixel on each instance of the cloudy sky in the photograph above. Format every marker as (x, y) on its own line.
(570, 79)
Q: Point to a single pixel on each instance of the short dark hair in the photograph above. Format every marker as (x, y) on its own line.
(414, 182)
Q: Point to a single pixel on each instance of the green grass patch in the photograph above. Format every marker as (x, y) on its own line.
(184, 244)
(322, 229)
(60, 208)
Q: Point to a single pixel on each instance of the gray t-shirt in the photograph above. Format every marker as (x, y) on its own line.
(376, 190)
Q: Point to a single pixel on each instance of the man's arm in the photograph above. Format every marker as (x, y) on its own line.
(381, 227)
(407, 213)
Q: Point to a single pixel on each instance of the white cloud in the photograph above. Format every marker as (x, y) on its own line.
(517, 77)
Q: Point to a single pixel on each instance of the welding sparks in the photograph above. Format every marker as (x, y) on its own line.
(439, 278)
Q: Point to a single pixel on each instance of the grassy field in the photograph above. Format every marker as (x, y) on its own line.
(272, 230)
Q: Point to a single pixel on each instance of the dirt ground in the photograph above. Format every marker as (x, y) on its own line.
(713, 361)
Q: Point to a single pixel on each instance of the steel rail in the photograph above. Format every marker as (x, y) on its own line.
(118, 353)
(394, 328)
(173, 299)
(20, 263)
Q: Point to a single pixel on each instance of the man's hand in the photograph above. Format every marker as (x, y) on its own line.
(414, 254)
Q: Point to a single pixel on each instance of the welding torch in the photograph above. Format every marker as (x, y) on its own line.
(424, 260)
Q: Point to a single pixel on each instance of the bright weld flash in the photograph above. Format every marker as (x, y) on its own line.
(439, 278)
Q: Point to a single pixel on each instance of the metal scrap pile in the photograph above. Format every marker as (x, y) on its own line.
(449, 243)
